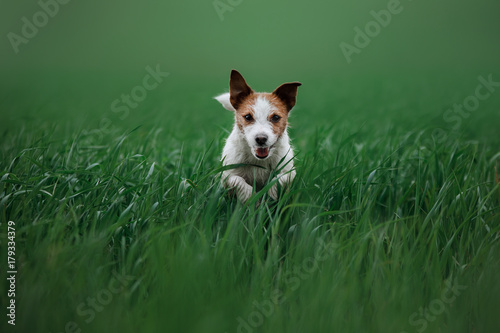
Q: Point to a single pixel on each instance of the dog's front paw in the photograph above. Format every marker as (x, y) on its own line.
(273, 192)
(284, 182)
(244, 193)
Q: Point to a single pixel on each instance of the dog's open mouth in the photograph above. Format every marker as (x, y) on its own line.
(262, 152)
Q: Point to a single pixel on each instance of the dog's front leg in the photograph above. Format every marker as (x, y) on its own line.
(243, 190)
(284, 180)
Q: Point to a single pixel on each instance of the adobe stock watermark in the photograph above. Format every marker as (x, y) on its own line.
(292, 279)
(485, 88)
(455, 116)
(11, 272)
(436, 307)
(30, 27)
(460, 111)
(372, 29)
(138, 94)
(223, 6)
(127, 101)
(89, 308)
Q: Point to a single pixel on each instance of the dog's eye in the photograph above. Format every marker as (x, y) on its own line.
(276, 118)
(248, 117)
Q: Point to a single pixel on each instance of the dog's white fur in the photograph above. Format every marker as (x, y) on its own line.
(240, 148)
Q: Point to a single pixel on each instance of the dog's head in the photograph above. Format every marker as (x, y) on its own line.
(261, 117)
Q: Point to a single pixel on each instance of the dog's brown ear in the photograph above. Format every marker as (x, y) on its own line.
(238, 89)
(287, 92)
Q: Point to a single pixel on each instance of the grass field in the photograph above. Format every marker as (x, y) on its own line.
(390, 226)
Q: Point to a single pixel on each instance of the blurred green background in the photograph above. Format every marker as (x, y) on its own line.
(92, 51)
(262, 37)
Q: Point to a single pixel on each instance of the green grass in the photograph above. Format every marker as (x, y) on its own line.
(380, 219)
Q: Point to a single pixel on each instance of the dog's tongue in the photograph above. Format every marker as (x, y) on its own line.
(262, 152)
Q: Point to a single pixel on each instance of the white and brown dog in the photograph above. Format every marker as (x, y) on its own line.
(259, 137)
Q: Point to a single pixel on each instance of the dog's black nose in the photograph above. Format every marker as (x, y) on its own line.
(261, 140)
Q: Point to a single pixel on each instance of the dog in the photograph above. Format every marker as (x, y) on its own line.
(259, 138)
